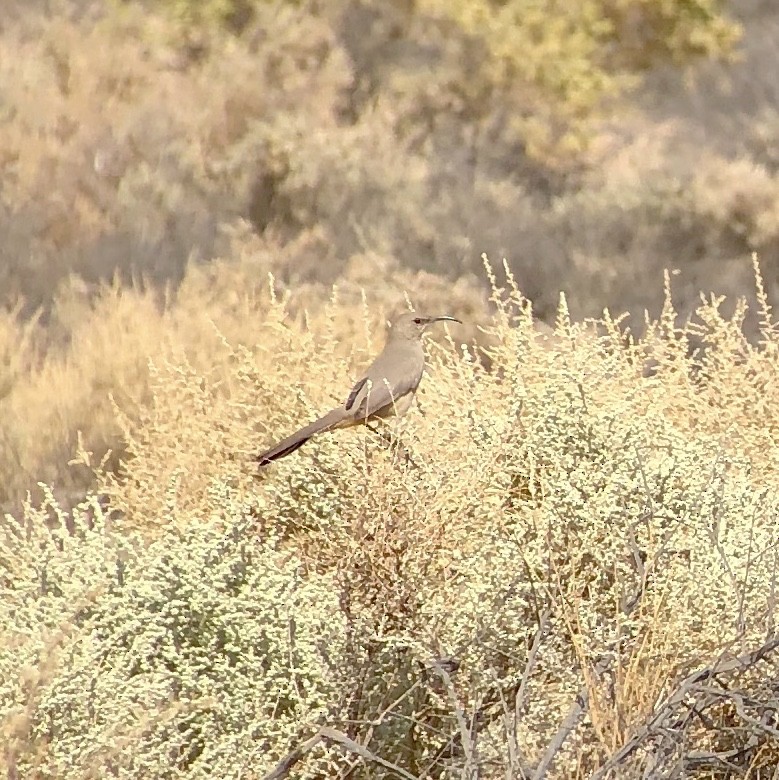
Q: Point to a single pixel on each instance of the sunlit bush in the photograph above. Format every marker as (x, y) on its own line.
(537, 520)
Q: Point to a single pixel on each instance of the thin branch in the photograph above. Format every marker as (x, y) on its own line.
(333, 735)
(287, 763)
(657, 724)
(578, 708)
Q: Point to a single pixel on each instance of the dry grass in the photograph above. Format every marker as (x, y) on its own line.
(218, 617)
(571, 527)
(119, 334)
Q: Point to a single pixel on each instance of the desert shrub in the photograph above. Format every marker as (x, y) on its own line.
(556, 527)
(341, 131)
(745, 204)
(198, 14)
(565, 59)
(55, 392)
(134, 667)
(122, 155)
(129, 144)
(763, 140)
(99, 348)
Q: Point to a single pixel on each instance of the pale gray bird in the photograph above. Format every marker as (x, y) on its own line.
(385, 390)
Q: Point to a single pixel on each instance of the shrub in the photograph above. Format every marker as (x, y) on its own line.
(565, 59)
(556, 529)
(166, 660)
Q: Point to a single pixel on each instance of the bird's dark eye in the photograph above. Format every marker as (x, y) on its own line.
(418, 320)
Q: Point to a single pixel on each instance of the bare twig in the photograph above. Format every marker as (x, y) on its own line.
(519, 701)
(333, 735)
(287, 763)
(667, 721)
(570, 722)
(327, 734)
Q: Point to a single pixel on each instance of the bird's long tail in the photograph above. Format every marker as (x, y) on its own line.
(291, 443)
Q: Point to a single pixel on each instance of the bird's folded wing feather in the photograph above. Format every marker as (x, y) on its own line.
(376, 391)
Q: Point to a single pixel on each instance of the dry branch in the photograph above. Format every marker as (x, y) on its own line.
(664, 731)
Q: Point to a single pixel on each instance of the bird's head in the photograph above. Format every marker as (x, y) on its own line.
(411, 324)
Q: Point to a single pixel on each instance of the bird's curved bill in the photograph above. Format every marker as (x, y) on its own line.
(445, 318)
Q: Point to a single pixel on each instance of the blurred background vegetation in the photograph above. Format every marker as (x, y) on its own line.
(366, 143)
(208, 210)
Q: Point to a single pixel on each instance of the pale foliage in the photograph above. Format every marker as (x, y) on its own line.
(210, 623)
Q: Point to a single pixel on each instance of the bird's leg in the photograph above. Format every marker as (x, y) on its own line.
(392, 441)
(384, 435)
(401, 448)
(396, 443)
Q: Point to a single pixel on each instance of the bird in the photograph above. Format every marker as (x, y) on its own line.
(385, 390)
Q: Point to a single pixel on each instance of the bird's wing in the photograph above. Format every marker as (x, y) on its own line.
(383, 385)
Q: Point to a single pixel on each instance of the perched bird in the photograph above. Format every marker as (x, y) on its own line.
(385, 390)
